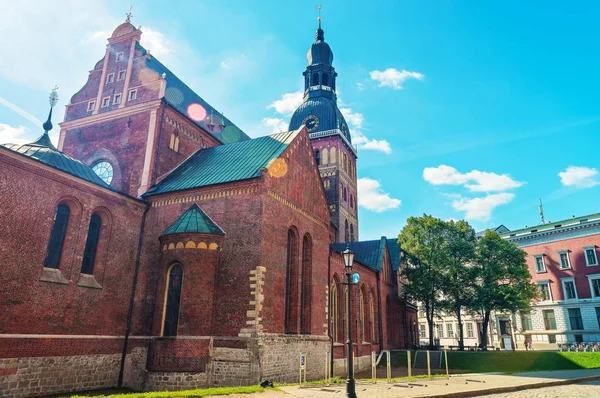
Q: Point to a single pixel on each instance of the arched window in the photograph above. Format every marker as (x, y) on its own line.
(173, 300)
(318, 157)
(306, 291)
(324, 80)
(327, 183)
(372, 317)
(351, 201)
(361, 314)
(174, 144)
(315, 79)
(57, 236)
(351, 232)
(333, 316)
(332, 155)
(345, 194)
(91, 245)
(345, 162)
(324, 156)
(292, 276)
(347, 234)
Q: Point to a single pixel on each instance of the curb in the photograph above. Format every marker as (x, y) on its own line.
(500, 390)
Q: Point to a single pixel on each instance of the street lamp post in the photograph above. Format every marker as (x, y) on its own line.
(348, 260)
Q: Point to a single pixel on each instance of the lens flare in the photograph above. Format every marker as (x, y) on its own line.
(147, 76)
(231, 134)
(196, 112)
(277, 168)
(174, 95)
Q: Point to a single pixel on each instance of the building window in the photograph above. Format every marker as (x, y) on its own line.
(598, 315)
(565, 262)
(91, 245)
(594, 285)
(333, 297)
(549, 320)
(104, 170)
(590, 256)
(121, 75)
(324, 156)
(540, 266)
(569, 290)
(351, 232)
(526, 323)
(470, 330)
(345, 195)
(372, 316)
(292, 286)
(575, 318)
(440, 330)
(105, 102)
(119, 57)
(347, 232)
(132, 95)
(332, 155)
(117, 99)
(174, 143)
(422, 331)
(315, 79)
(544, 289)
(173, 292)
(318, 157)
(450, 330)
(362, 317)
(306, 289)
(551, 339)
(326, 183)
(91, 105)
(110, 78)
(57, 236)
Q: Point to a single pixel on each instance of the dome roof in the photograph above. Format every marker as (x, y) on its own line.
(123, 29)
(326, 110)
(319, 52)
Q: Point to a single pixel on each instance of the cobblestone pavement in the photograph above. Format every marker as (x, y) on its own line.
(584, 390)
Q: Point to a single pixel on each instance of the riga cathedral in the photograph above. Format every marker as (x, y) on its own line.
(158, 247)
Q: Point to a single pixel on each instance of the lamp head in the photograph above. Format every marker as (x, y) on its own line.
(348, 259)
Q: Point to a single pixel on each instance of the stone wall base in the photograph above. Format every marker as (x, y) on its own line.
(360, 365)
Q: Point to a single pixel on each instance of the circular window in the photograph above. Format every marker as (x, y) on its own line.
(104, 170)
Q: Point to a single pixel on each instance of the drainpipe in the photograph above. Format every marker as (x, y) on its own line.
(379, 311)
(132, 299)
(329, 313)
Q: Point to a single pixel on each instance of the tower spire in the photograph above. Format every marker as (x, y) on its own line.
(129, 15)
(44, 139)
(320, 33)
(541, 210)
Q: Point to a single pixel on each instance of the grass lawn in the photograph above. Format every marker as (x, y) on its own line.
(203, 392)
(512, 361)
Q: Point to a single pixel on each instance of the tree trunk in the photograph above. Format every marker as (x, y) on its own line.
(486, 321)
(461, 337)
(430, 325)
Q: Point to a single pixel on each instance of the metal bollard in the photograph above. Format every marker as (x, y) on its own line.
(389, 366)
(428, 365)
(373, 367)
(446, 358)
(409, 370)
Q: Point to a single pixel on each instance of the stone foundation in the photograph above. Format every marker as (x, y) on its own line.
(360, 365)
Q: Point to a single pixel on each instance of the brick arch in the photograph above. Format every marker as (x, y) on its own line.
(171, 304)
(334, 309)
(68, 237)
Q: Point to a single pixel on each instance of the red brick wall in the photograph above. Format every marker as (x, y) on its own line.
(579, 270)
(30, 194)
(178, 355)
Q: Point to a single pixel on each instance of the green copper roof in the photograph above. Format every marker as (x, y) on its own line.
(552, 226)
(194, 221)
(226, 163)
(371, 252)
(394, 249)
(43, 151)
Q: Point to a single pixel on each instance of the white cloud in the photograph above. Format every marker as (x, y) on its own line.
(372, 197)
(579, 177)
(288, 103)
(13, 135)
(20, 111)
(480, 209)
(360, 86)
(355, 121)
(475, 180)
(157, 43)
(392, 77)
(276, 125)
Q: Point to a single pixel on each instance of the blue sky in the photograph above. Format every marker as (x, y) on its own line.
(461, 109)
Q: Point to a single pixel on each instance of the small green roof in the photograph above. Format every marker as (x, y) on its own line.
(43, 151)
(225, 163)
(194, 221)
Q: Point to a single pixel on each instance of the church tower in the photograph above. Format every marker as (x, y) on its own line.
(330, 138)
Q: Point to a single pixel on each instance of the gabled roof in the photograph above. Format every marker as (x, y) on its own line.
(371, 252)
(180, 97)
(43, 151)
(394, 250)
(194, 220)
(226, 163)
(500, 229)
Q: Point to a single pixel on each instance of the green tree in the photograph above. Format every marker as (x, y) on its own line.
(458, 288)
(422, 241)
(503, 281)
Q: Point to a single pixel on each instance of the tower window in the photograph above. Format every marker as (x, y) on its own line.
(104, 170)
(105, 102)
(174, 143)
(119, 57)
(110, 78)
(117, 99)
(346, 232)
(318, 157)
(132, 95)
(91, 105)
(351, 232)
(315, 79)
(121, 75)
(324, 80)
